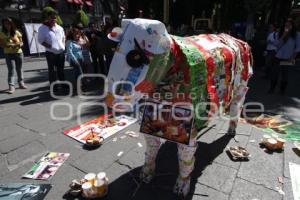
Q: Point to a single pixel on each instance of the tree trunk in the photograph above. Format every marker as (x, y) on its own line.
(250, 26)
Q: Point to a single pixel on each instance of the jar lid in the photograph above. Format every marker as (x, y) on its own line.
(90, 176)
(86, 186)
(272, 141)
(101, 175)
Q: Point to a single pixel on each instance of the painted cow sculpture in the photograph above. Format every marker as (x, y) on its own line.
(204, 68)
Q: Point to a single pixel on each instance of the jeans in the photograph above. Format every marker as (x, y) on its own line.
(18, 58)
(56, 64)
(77, 66)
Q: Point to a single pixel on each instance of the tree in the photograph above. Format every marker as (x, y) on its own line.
(81, 17)
(253, 7)
(50, 9)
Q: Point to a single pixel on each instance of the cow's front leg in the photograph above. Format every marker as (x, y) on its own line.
(152, 147)
(186, 165)
(236, 108)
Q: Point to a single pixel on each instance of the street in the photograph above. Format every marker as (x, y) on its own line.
(28, 132)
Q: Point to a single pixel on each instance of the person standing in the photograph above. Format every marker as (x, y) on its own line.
(52, 37)
(95, 37)
(75, 52)
(288, 46)
(11, 42)
(85, 45)
(270, 50)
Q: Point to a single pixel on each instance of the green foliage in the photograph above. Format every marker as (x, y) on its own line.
(81, 17)
(50, 9)
(59, 20)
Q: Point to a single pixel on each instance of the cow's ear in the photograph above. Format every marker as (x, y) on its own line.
(134, 58)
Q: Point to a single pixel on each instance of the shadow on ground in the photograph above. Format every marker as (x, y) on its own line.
(42, 94)
(127, 186)
(276, 103)
(40, 97)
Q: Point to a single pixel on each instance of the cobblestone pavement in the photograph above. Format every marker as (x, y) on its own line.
(27, 132)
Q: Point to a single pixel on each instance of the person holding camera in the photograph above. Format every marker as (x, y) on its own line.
(288, 46)
(75, 52)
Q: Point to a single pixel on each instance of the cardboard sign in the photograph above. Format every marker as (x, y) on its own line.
(169, 122)
(104, 126)
(19, 191)
(47, 166)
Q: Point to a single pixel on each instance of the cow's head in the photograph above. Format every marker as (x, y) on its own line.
(142, 54)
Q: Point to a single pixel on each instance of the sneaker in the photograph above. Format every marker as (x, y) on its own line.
(22, 86)
(11, 89)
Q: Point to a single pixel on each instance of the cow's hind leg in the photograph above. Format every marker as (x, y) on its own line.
(186, 165)
(236, 108)
(152, 147)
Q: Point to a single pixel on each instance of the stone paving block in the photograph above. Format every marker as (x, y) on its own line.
(244, 129)
(4, 111)
(54, 140)
(256, 136)
(115, 171)
(39, 110)
(218, 177)
(43, 125)
(217, 123)
(62, 111)
(11, 131)
(291, 154)
(203, 192)
(10, 119)
(244, 190)
(207, 135)
(17, 141)
(29, 151)
(15, 176)
(225, 126)
(223, 158)
(288, 189)
(3, 166)
(134, 158)
(106, 155)
(262, 168)
(61, 180)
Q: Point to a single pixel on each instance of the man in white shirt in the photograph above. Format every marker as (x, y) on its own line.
(52, 37)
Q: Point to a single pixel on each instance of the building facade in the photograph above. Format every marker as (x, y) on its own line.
(30, 11)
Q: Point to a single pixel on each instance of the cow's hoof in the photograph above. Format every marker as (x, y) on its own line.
(182, 187)
(146, 175)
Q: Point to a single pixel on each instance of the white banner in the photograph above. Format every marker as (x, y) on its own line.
(32, 37)
(295, 176)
